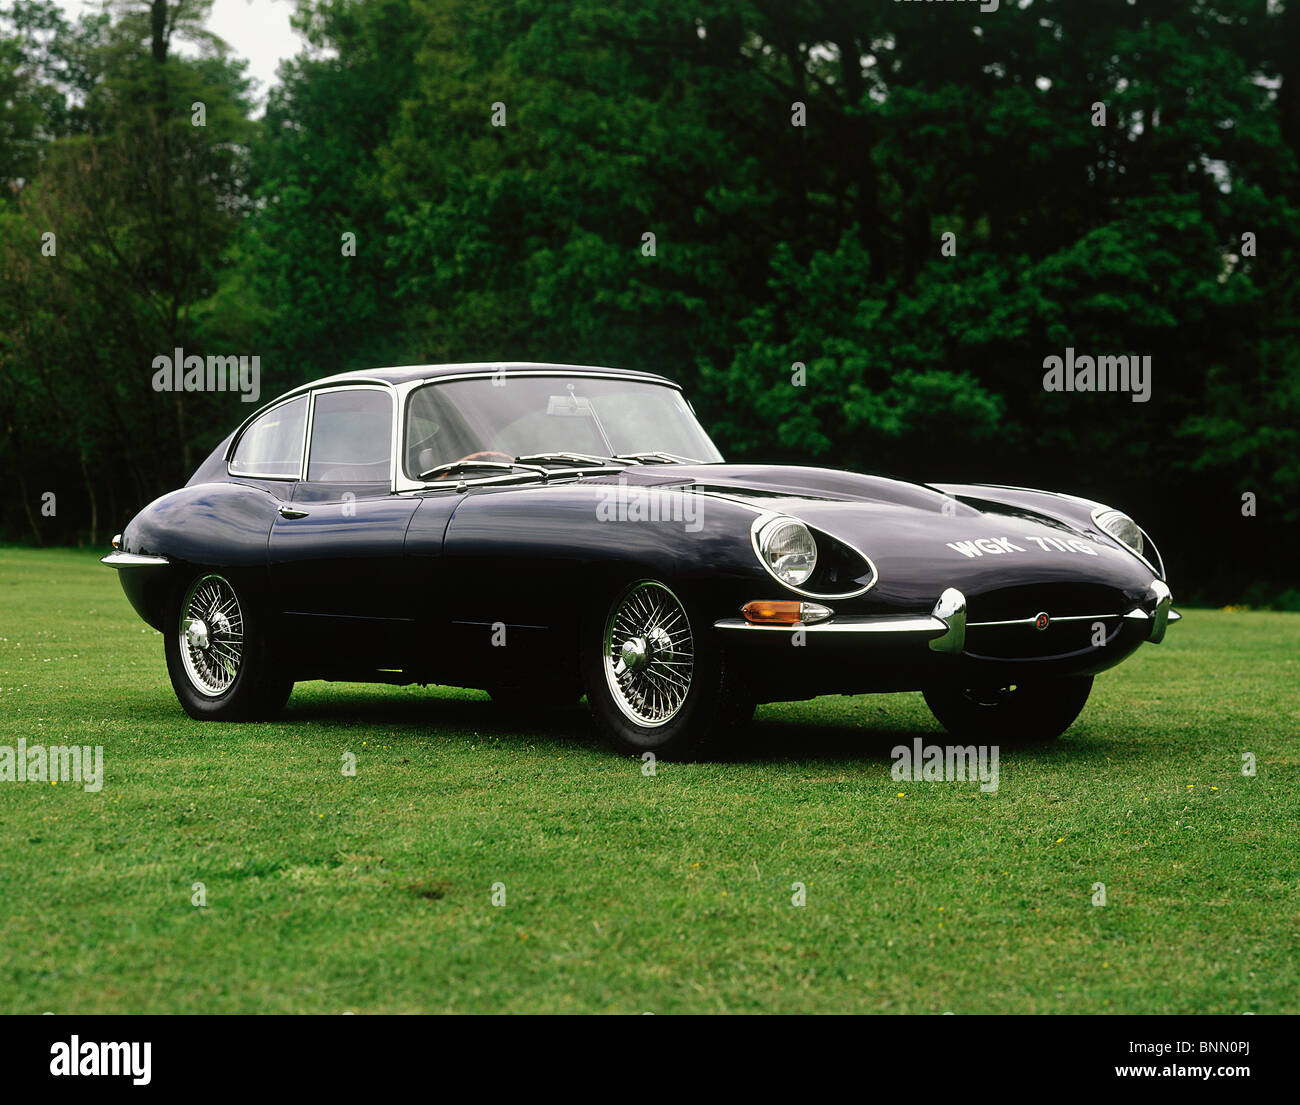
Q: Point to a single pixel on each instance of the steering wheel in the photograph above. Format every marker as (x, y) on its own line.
(482, 454)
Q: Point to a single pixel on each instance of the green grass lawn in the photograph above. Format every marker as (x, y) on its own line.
(626, 893)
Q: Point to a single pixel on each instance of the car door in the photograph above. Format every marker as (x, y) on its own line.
(336, 549)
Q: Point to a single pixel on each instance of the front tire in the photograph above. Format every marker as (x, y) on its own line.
(656, 677)
(218, 657)
(1019, 713)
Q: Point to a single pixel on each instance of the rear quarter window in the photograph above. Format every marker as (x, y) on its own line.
(272, 446)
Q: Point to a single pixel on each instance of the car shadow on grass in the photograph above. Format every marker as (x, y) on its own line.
(789, 740)
(784, 741)
(425, 714)
(800, 732)
(458, 715)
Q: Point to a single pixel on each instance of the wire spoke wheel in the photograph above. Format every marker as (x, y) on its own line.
(649, 654)
(211, 633)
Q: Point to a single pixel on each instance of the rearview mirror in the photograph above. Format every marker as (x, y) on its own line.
(569, 406)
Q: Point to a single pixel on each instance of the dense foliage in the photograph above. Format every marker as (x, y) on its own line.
(799, 284)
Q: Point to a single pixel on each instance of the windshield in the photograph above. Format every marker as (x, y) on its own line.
(506, 416)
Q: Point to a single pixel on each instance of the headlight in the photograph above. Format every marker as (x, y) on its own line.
(788, 550)
(1121, 527)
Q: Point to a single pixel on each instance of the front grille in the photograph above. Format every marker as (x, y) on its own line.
(1058, 600)
(1073, 611)
(1017, 642)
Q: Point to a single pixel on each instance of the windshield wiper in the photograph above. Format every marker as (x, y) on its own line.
(470, 465)
(666, 458)
(583, 459)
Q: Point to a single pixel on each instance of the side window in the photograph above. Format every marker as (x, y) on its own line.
(351, 437)
(272, 446)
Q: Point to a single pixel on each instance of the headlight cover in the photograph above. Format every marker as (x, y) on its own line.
(788, 550)
(1121, 527)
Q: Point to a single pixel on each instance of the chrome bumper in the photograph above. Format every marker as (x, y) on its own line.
(133, 560)
(944, 628)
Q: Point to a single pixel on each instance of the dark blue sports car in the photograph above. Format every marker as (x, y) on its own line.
(548, 531)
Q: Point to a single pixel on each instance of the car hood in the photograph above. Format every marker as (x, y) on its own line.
(921, 540)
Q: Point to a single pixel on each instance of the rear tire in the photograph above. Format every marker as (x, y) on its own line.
(218, 657)
(1020, 713)
(656, 676)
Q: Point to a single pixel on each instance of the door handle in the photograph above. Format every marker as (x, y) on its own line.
(289, 512)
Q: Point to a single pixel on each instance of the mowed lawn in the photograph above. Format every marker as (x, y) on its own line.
(625, 893)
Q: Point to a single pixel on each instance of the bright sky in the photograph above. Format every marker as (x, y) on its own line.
(256, 29)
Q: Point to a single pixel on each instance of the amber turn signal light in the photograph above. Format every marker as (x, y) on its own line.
(784, 612)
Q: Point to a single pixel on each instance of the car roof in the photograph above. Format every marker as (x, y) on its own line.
(403, 374)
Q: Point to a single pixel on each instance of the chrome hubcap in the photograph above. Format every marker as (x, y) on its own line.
(634, 654)
(649, 654)
(212, 635)
(196, 634)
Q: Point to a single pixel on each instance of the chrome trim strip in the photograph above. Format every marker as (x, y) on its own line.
(311, 421)
(768, 515)
(1159, 561)
(888, 624)
(1136, 613)
(306, 438)
(558, 371)
(133, 560)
